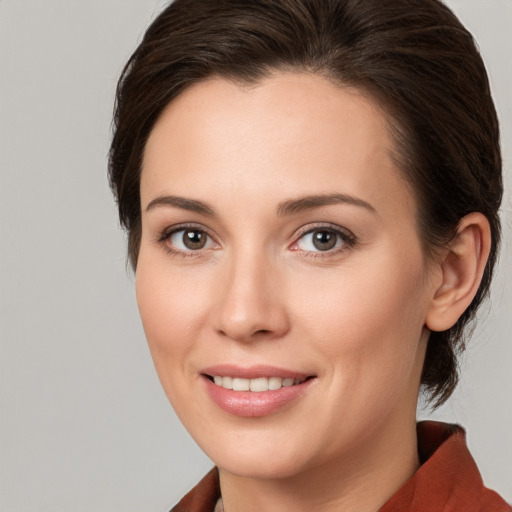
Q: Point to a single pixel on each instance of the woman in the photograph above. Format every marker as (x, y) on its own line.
(311, 191)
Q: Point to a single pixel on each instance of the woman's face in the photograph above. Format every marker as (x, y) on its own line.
(279, 246)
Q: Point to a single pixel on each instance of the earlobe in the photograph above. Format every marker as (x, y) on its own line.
(461, 266)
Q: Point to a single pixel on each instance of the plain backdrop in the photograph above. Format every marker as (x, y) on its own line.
(84, 425)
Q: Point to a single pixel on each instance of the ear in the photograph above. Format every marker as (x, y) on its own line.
(461, 266)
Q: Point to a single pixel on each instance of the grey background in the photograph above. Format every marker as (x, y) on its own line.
(84, 424)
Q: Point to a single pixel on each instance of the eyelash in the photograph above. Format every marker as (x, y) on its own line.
(348, 240)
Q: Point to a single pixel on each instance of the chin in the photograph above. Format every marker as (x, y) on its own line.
(260, 468)
(259, 459)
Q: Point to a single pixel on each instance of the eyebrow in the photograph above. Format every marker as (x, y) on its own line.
(191, 205)
(286, 208)
(305, 203)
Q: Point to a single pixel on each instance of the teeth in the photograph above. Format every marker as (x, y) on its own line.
(240, 384)
(275, 383)
(259, 384)
(256, 385)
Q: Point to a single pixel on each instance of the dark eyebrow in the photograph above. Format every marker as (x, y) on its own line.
(191, 205)
(309, 202)
(288, 207)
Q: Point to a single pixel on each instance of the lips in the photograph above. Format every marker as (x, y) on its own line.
(254, 391)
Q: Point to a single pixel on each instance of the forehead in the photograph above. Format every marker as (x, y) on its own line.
(293, 132)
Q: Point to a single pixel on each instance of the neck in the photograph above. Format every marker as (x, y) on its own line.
(362, 480)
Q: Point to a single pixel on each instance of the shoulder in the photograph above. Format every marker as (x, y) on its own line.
(448, 479)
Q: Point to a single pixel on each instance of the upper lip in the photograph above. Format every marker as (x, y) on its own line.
(252, 372)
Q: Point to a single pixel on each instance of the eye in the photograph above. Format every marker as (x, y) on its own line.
(323, 239)
(188, 240)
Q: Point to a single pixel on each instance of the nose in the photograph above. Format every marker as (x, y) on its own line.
(250, 303)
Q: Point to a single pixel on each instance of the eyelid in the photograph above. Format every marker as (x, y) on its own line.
(325, 225)
(184, 226)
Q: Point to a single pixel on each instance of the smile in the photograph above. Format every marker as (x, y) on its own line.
(255, 391)
(257, 385)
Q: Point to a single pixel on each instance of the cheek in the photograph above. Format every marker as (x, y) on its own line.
(368, 318)
(171, 305)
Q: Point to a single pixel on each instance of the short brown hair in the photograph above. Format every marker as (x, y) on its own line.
(413, 56)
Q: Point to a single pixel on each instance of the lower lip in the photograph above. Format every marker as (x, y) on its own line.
(254, 403)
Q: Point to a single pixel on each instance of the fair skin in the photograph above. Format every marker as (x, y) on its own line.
(245, 286)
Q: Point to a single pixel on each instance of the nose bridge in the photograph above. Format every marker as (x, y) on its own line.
(250, 303)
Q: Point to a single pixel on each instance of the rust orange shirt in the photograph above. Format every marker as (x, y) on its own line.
(448, 479)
